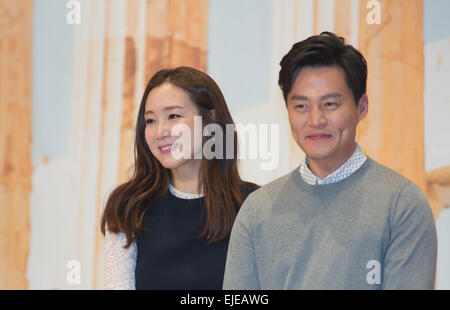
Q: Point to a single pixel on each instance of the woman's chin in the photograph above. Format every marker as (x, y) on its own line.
(169, 165)
(172, 163)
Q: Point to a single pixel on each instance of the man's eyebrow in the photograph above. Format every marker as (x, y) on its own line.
(299, 97)
(331, 96)
(172, 107)
(326, 96)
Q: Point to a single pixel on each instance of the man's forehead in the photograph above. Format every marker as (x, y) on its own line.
(321, 81)
(329, 72)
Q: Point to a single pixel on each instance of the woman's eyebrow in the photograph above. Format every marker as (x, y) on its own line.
(172, 107)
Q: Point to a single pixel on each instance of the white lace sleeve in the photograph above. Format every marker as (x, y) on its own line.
(120, 263)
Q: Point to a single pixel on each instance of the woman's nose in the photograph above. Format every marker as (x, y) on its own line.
(163, 130)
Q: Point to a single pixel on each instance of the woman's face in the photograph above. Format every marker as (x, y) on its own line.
(168, 105)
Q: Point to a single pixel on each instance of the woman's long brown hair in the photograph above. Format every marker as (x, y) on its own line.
(219, 178)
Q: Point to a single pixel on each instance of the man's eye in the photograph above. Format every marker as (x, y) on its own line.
(330, 104)
(300, 106)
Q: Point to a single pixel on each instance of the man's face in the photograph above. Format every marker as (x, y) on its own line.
(323, 114)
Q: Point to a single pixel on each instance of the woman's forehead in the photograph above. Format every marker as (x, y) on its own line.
(168, 97)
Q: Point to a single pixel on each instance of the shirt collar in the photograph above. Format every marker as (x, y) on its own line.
(183, 195)
(351, 165)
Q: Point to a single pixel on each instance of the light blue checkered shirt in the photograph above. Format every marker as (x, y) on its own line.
(351, 165)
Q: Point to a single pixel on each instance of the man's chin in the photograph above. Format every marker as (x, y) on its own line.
(318, 155)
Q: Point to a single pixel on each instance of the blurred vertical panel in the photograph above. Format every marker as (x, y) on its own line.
(86, 129)
(134, 61)
(176, 34)
(16, 21)
(110, 117)
(437, 111)
(346, 20)
(342, 18)
(393, 132)
(324, 14)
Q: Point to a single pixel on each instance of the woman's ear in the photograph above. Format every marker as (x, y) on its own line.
(212, 114)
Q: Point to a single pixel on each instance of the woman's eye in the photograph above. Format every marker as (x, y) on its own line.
(150, 121)
(172, 116)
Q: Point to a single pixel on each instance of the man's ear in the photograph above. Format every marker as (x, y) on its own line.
(363, 107)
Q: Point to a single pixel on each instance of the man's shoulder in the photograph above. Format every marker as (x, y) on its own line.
(269, 192)
(385, 183)
(383, 177)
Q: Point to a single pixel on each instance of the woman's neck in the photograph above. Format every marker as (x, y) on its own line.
(186, 177)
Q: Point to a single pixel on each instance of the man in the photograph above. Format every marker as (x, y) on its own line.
(341, 220)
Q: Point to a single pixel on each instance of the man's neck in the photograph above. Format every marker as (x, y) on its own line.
(323, 167)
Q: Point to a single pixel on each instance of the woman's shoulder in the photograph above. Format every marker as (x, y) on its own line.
(247, 188)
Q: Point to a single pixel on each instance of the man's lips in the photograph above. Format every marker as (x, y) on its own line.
(318, 137)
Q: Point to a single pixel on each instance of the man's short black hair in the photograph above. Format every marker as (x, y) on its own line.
(324, 50)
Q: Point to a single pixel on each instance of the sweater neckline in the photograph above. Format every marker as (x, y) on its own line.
(333, 187)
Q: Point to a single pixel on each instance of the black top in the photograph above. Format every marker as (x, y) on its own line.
(170, 256)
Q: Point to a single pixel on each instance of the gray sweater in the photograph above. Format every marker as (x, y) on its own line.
(372, 230)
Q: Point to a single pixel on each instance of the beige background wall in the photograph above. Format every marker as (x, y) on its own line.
(15, 140)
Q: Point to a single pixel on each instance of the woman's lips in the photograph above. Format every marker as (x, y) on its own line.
(166, 149)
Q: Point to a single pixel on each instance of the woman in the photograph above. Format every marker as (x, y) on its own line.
(168, 226)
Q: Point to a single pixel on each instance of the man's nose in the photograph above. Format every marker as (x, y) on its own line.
(316, 117)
